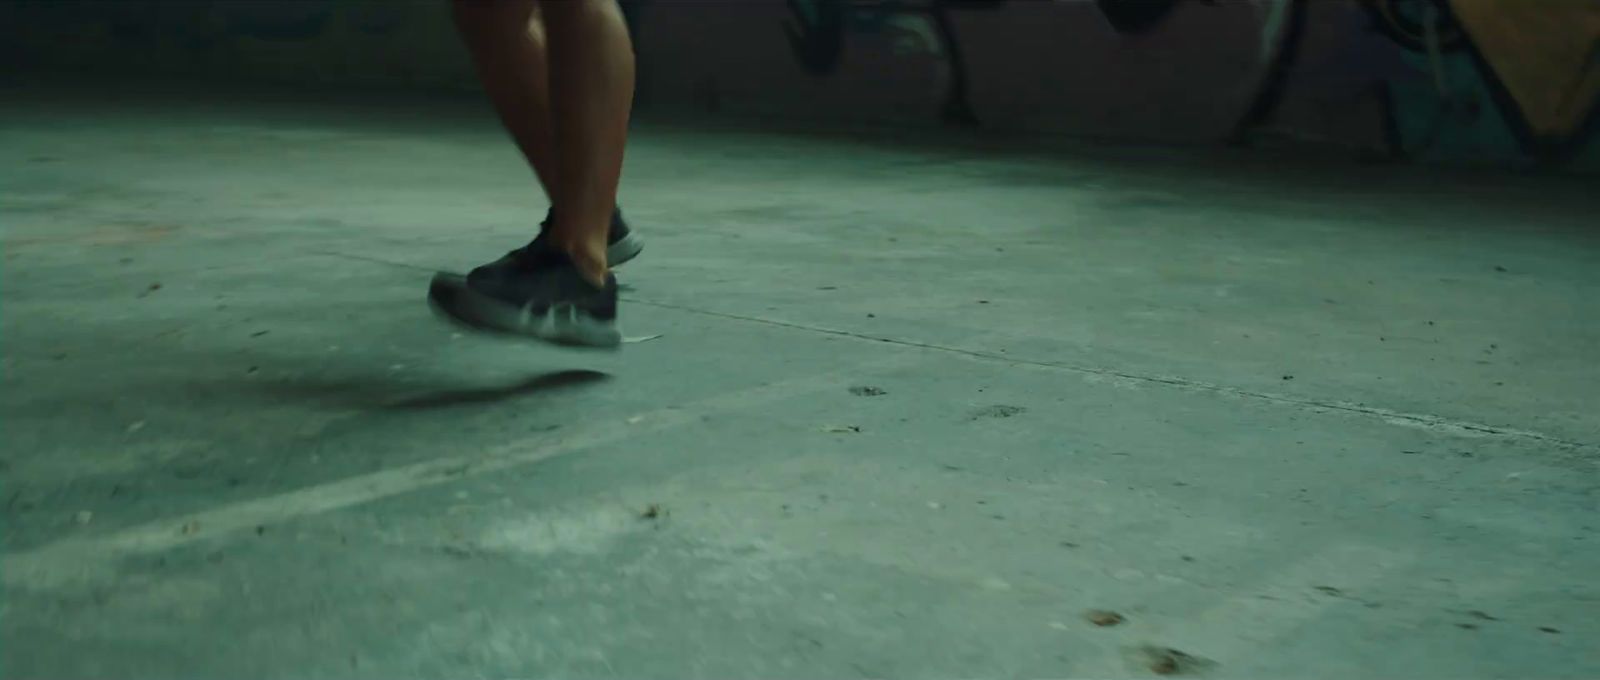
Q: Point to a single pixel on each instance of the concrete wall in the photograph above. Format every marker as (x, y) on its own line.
(337, 42)
(1333, 72)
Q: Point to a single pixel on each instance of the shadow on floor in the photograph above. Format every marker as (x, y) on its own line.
(381, 393)
(462, 397)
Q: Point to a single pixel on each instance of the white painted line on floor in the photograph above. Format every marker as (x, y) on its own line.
(1424, 421)
(73, 561)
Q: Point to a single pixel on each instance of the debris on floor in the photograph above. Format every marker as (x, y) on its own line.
(150, 289)
(997, 411)
(867, 391)
(1168, 661)
(653, 511)
(841, 429)
(1104, 618)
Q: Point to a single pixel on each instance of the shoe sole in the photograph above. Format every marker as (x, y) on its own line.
(450, 297)
(624, 250)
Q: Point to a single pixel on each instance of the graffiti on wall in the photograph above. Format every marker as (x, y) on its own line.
(1531, 69)
(1453, 72)
(820, 34)
(1423, 79)
(817, 31)
(818, 28)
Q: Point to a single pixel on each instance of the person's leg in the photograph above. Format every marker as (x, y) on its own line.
(591, 93)
(559, 288)
(512, 64)
(507, 43)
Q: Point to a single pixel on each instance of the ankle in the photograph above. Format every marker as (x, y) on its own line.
(589, 260)
(586, 248)
(593, 269)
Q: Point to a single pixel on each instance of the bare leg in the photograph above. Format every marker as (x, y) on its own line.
(507, 42)
(591, 94)
(567, 106)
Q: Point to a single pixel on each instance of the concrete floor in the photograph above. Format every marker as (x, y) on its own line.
(916, 406)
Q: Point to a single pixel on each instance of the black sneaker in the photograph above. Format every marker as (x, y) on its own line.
(621, 245)
(540, 295)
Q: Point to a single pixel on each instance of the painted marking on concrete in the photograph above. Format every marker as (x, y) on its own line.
(1439, 424)
(77, 560)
